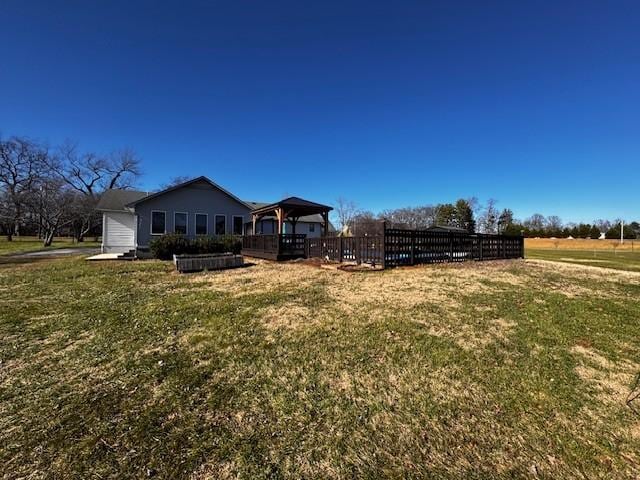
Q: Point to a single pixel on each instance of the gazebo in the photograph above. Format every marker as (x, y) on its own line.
(281, 246)
(290, 210)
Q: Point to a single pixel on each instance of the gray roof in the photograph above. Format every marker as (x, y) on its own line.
(316, 218)
(117, 199)
(446, 228)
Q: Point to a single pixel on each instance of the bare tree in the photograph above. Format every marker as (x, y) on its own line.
(553, 225)
(90, 175)
(345, 210)
(175, 181)
(52, 202)
(22, 163)
(489, 217)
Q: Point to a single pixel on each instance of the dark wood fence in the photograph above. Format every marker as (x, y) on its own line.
(396, 247)
(368, 249)
(411, 247)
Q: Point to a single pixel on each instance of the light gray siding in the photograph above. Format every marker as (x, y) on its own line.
(199, 197)
(269, 226)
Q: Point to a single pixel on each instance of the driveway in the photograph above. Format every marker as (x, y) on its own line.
(57, 252)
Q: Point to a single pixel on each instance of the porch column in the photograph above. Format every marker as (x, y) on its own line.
(280, 216)
(294, 221)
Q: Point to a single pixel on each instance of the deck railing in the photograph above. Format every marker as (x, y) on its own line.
(287, 245)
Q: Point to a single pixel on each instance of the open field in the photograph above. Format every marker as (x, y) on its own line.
(31, 244)
(495, 369)
(620, 260)
(581, 244)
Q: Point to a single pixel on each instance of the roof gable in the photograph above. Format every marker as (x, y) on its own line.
(186, 184)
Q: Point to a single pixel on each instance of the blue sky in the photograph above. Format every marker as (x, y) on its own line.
(535, 104)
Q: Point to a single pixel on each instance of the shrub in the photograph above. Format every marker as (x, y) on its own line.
(166, 246)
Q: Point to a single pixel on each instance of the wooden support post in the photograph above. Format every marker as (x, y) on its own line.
(340, 249)
(280, 215)
(294, 222)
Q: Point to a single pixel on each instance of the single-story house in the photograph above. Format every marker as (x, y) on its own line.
(131, 219)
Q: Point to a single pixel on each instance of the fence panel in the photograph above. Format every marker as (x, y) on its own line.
(411, 247)
(366, 249)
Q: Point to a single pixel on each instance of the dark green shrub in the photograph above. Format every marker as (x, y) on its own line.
(166, 246)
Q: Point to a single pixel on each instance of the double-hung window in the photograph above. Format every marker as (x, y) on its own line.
(201, 223)
(221, 224)
(238, 223)
(180, 222)
(158, 223)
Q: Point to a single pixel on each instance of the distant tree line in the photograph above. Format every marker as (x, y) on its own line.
(474, 217)
(51, 191)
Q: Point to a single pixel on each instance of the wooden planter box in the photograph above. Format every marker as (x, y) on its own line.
(209, 261)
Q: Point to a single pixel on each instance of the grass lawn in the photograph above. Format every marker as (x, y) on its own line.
(481, 370)
(622, 260)
(31, 244)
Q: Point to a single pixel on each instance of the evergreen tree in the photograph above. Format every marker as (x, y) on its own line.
(446, 215)
(505, 220)
(464, 216)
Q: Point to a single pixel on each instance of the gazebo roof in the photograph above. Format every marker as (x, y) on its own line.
(293, 207)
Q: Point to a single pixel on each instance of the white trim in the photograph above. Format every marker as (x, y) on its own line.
(135, 230)
(233, 218)
(195, 224)
(186, 226)
(215, 223)
(104, 231)
(151, 222)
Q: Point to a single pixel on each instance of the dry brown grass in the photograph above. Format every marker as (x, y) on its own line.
(580, 244)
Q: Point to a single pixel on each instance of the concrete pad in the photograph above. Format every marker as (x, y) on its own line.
(55, 252)
(105, 256)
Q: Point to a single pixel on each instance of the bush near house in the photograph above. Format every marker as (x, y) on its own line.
(166, 246)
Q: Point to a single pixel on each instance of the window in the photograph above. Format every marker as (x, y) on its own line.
(221, 221)
(201, 223)
(312, 227)
(158, 223)
(180, 223)
(238, 223)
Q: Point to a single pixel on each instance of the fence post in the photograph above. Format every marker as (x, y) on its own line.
(384, 245)
(413, 247)
(340, 250)
(480, 242)
(450, 246)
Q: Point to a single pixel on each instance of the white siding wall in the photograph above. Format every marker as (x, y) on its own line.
(119, 232)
